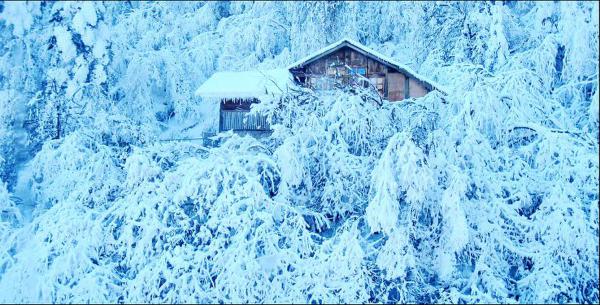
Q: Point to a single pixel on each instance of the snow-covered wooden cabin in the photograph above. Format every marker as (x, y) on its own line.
(235, 92)
(346, 59)
(343, 62)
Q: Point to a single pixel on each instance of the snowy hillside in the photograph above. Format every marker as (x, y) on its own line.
(486, 194)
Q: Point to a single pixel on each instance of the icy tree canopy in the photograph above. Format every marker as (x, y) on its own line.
(115, 188)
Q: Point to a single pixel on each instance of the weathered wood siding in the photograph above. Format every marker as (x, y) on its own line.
(390, 82)
(235, 115)
(416, 88)
(238, 120)
(396, 86)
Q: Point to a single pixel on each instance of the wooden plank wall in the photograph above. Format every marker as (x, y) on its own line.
(395, 88)
(242, 120)
(416, 89)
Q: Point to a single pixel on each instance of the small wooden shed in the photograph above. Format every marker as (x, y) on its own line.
(235, 92)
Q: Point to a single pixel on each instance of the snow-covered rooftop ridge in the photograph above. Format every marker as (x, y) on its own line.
(246, 84)
(355, 44)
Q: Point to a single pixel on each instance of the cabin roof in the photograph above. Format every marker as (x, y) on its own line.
(246, 84)
(367, 52)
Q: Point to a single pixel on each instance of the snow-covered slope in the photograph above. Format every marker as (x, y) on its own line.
(486, 195)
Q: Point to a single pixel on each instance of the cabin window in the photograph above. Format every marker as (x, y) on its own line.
(359, 70)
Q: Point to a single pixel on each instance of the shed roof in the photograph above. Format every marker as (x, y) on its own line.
(368, 52)
(246, 84)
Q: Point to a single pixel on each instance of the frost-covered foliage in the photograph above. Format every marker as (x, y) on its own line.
(486, 194)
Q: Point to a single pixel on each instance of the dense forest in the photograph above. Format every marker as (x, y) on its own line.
(485, 193)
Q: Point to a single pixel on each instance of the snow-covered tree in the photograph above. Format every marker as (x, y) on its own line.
(485, 193)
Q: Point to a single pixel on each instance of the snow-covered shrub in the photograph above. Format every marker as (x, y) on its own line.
(13, 137)
(338, 273)
(57, 255)
(188, 233)
(328, 141)
(10, 215)
(78, 169)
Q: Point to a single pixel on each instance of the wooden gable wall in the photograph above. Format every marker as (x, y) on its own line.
(391, 83)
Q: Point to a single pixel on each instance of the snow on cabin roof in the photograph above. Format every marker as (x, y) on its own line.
(246, 84)
(369, 52)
